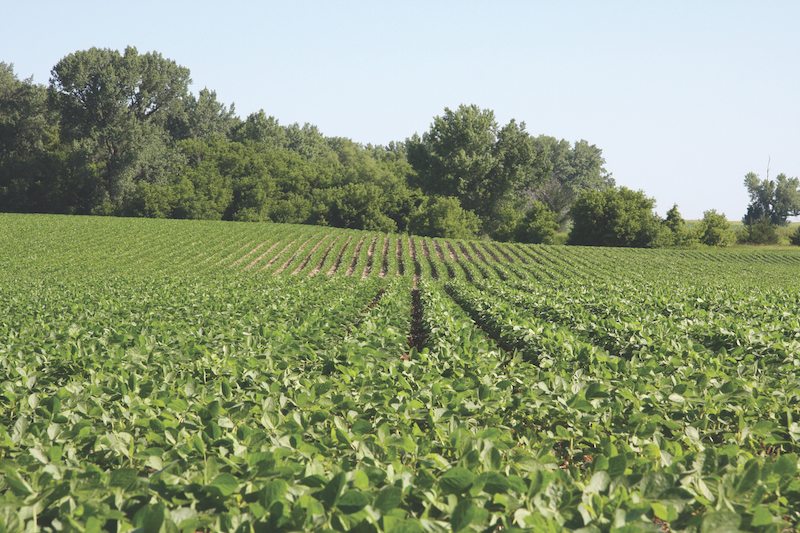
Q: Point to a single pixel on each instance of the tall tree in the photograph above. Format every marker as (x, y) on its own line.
(466, 155)
(113, 109)
(30, 162)
(563, 171)
(771, 200)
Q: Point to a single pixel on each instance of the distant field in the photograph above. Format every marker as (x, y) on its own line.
(216, 376)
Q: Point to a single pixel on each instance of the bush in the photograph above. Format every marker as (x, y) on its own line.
(538, 226)
(715, 230)
(676, 232)
(503, 224)
(760, 231)
(615, 217)
(794, 238)
(443, 216)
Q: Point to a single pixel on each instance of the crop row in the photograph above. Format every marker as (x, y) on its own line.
(189, 376)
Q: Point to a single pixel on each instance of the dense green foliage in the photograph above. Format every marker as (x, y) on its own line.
(615, 217)
(795, 237)
(772, 202)
(119, 133)
(715, 230)
(170, 375)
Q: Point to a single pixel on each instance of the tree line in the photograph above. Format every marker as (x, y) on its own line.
(120, 133)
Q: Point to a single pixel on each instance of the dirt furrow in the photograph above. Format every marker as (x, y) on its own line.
(438, 250)
(248, 254)
(258, 259)
(427, 253)
(335, 267)
(305, 261)
(317, 268)
(417, 267)
(401, 267)
(293, 256)
(385, 255)
(500, 250)
(355, 257)
(479, 254)
(454, 256)
(417, 337)
(370, 258)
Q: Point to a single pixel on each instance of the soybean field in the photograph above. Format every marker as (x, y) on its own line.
(167, 375)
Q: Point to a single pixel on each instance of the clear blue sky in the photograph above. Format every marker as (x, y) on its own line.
(683, 97)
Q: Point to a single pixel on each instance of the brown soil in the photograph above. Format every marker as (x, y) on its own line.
(355, 256)
(258, 259)
(370, 258)
(317, 268)
(385, 255)
(305, 261)
(401, 267)
(417, 268)
(417, 337)
(242, 258)
(335, 267)
(454, 256)
(427, 253)
(438, 250)
(293, 256)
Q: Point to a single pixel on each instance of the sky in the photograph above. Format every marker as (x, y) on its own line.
(683, 97)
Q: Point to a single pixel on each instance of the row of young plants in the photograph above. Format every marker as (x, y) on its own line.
(673, 406)
(161, 384)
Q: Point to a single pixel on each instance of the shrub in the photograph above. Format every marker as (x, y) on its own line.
(443, 216)
(794, 238)
(715, 230)
(760, 231)
(615, 217)
(538, 226)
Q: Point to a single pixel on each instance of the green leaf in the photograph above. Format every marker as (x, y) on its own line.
(456, 480)
(352, 501)
(617, 465)
(749, 477)
(150, 518)
(330, 494)
(19, 486)
(272, 491)
(495, 483)
(225, 483)
(762, 516)
(388, 499)
(719, 521)
(596, 390)
(786, 465)
(664, 511)
(123, 478)
(462, 515)
(598, 483)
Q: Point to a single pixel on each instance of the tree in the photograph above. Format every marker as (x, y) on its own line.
(113, 109)
(677, 233)
(31, 164)
(614, 217)
(715, 230)
(562, 171)
(795, 237)
(538, 226)
(466, 155)
(773, 200)
(201, 117)
(441, 216)
(261, 129)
